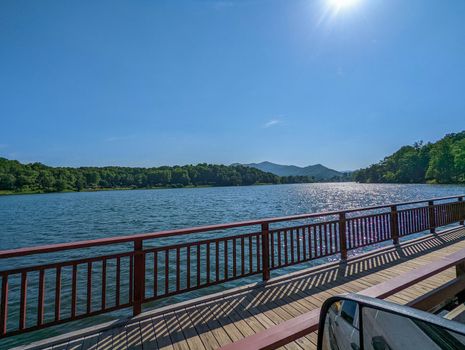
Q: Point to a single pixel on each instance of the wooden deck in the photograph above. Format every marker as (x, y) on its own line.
(209, 323)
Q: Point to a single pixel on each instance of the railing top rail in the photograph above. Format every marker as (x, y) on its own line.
(167, 233)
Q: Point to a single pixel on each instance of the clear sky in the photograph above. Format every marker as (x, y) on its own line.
(153, 82)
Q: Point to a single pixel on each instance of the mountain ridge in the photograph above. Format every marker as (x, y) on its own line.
(317, 171)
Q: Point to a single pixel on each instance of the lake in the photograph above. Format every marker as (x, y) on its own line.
(30, 220)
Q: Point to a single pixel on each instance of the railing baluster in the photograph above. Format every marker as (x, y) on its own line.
(23, 302)
(131, 278)
(41, 298)
(139, 277)
(208, 263)
(409, 221)
(425, 218)
(234, 258)
(188, 267)
(374, 223)
(74, 291)
(4, 305)
(225, 259)
(178, 268)
(250, 255)
(394, 225)
(217, 261)
(432, 217)
(331, 238)
(286, 258)
(279, 248)
(257, 252)
(89, 287)
(357, 232)
(342, 235)
(242, 255)
(118, 281)
(304, 248)
(198, 265)
(104, 284)
(291, 234)
(265, 251)
(58, 293)
(315, 243)
(461, 211)
(325, 238)
(167, 271)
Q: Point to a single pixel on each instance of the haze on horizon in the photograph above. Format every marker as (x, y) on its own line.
(148, 83)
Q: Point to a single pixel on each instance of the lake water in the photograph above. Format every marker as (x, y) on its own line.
(30, 220)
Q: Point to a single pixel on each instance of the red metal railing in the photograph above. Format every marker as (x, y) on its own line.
(39, 296)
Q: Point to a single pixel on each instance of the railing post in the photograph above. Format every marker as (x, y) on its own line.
(265, 251)
(461, 211)
(460, 272)
(342, 235)
(394, 225)
(432, 217)
(139, 277)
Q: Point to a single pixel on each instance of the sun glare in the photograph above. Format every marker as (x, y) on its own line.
(339, 4)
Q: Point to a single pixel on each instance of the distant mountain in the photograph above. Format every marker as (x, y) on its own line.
(318, 171)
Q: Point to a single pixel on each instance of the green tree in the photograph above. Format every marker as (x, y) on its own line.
(180, 176)
(7, 182)
(441, 165)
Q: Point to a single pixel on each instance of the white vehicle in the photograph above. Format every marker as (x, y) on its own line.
(355, 322)
(343, 324)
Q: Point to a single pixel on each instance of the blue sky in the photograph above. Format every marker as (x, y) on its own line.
(153, 82)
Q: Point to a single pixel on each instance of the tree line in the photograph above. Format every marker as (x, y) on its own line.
(37, 177)
(442, 162)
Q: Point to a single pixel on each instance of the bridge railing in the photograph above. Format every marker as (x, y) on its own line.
(157, 265)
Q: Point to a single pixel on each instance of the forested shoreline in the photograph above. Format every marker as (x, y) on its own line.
(442, 162)
(16, 177)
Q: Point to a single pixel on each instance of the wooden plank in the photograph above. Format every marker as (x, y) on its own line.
(188, 330)
(134, 336)
(161, 331)
(175, 332)
(147, 333)
(278, 312)
(265, 319)
(208, 339)
(105, 340)
(91, 342)
(220, 335)
(230, 329)
(119, 338)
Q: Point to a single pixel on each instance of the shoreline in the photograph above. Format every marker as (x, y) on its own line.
(13, 193)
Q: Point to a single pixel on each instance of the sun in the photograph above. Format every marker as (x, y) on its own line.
(339, 4)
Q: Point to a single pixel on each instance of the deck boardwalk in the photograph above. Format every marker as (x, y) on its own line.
(214, 322)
